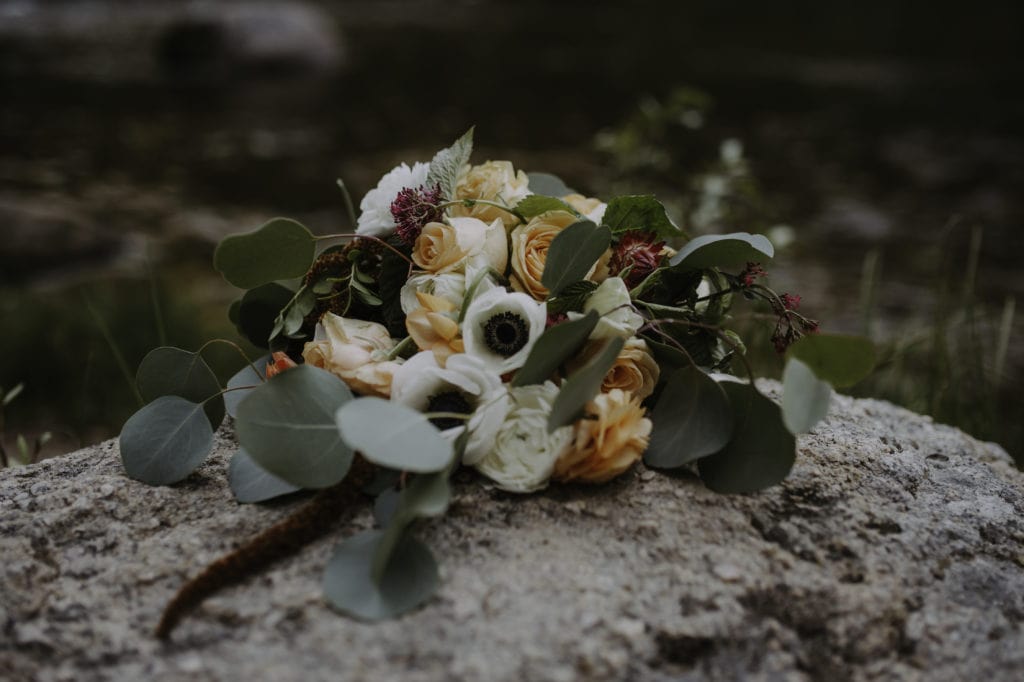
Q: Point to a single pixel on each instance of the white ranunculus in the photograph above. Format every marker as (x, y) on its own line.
(524, 453)
(375, 217)
(611, 301)
(500, 328)
(420, 380)
(450, 286)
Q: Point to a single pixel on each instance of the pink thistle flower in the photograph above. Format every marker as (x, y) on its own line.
(637, 255)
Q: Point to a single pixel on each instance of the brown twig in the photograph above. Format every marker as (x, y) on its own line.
(307, 523)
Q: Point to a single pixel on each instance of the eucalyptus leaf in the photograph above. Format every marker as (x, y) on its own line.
(250, 482)
(428, 495)
(572, 297)
(535, 204)
(723, 250)
(291, 318)
(409, 579)
(805, 397)
(556, 345)
(639, 212)
(280, 249)
(838, 359)
(692, 419)
(761, 451)
(447, 164)
(287, 426)
(572, 253)
(250, 375)
(548, 185)
(258, 311)
(581, 387)
(393, 435)
(165, 441)
(385, 506)
(173, 371)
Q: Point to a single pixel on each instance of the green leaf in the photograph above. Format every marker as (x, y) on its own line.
(447, 164)
(428, 495)
(290, 320)
(639, 212)
(287, 425)
(761, 451)
(840, 360)
(572, 253)
(548, 185)
(805, 397)
(252, 483)
(692, 419)
(247, 376)
(409, 579)
(556, 345)
(723, 250)
(258, 312)
(572, 297)
(165, 441)
(581, 387)
(173, 371)
(393, 435)
(280, 249)
(535, 204)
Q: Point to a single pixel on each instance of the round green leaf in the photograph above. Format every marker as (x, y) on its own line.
(838, 359)
(247, 376)
(581, 387)
(549, 185)
(639, 212)
(173, 371)
(165, 441)
(409, 579)
(252, 483)
(572, 253)
(287, 426)
(761, 451)
(692, 419)
(805, 397)
(280, 249)
(556, 345)
(258, 311)
(393, 435)
(535, 204)
(723, 250)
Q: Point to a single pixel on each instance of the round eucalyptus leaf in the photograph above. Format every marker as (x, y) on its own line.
(280, 249)
(247, 376)
(580, 388)
(692, 419)
(258, 311)
(549, 185)
(409, 578)
(723, 250)
(252, 483)
(287, 426)
(556, 345)
(173, 371)
(838, 359)
(385, 506)
(805, 397)
(761, 451)
(393, 435)
(165, 441)
(572, 253)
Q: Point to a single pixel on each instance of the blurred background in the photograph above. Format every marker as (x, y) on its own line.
(881, 145)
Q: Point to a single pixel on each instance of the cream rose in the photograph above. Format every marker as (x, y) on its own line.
(495, 181)
(355, 351)
(608, 442)
(448, 247)
(450, 286)
(590, 208)
(530, 243)
(611, 301)
(635, 370)
(524, 453)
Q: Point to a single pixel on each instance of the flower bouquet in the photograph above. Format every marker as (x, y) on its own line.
(477, 317)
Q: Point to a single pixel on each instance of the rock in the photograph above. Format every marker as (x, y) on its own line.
(893, 551)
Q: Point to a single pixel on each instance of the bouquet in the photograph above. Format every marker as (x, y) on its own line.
(478, 317)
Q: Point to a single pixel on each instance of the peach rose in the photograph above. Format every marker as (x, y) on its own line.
(355, 351)
(634, 371)
(606, 443)
(495, 181)
(530, 243)
(588, 207)
(448, 247)
(433, 327)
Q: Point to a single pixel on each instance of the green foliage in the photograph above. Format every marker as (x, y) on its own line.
(572, 297)
(447, 164)
(535, 204)
(173, 371)
(639, 212)
(165, 441)
(243, 382)
(287, 426)
(723, 251)
(692, 419)
(257, 312)
(280, 249)
(581, 387)
(250, 482)
(840, 360)
(393, 435)
(549, 185)
(556, 345)
(805, 397)
(572, 253)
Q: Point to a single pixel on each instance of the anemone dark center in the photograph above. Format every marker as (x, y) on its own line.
(448, 401)
(506, 333)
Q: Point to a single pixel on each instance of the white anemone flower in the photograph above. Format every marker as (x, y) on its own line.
(500, 328)
(375, 217)
(523, 455)
(465, 386)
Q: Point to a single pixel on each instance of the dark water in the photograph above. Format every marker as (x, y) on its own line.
(122, 161)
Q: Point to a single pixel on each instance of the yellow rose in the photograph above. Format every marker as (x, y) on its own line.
(608, 441)
(433, 327)
(588, 207)
(530, 244)
(353, 350)
(448, 247)
(495, 181)
(634, 371)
